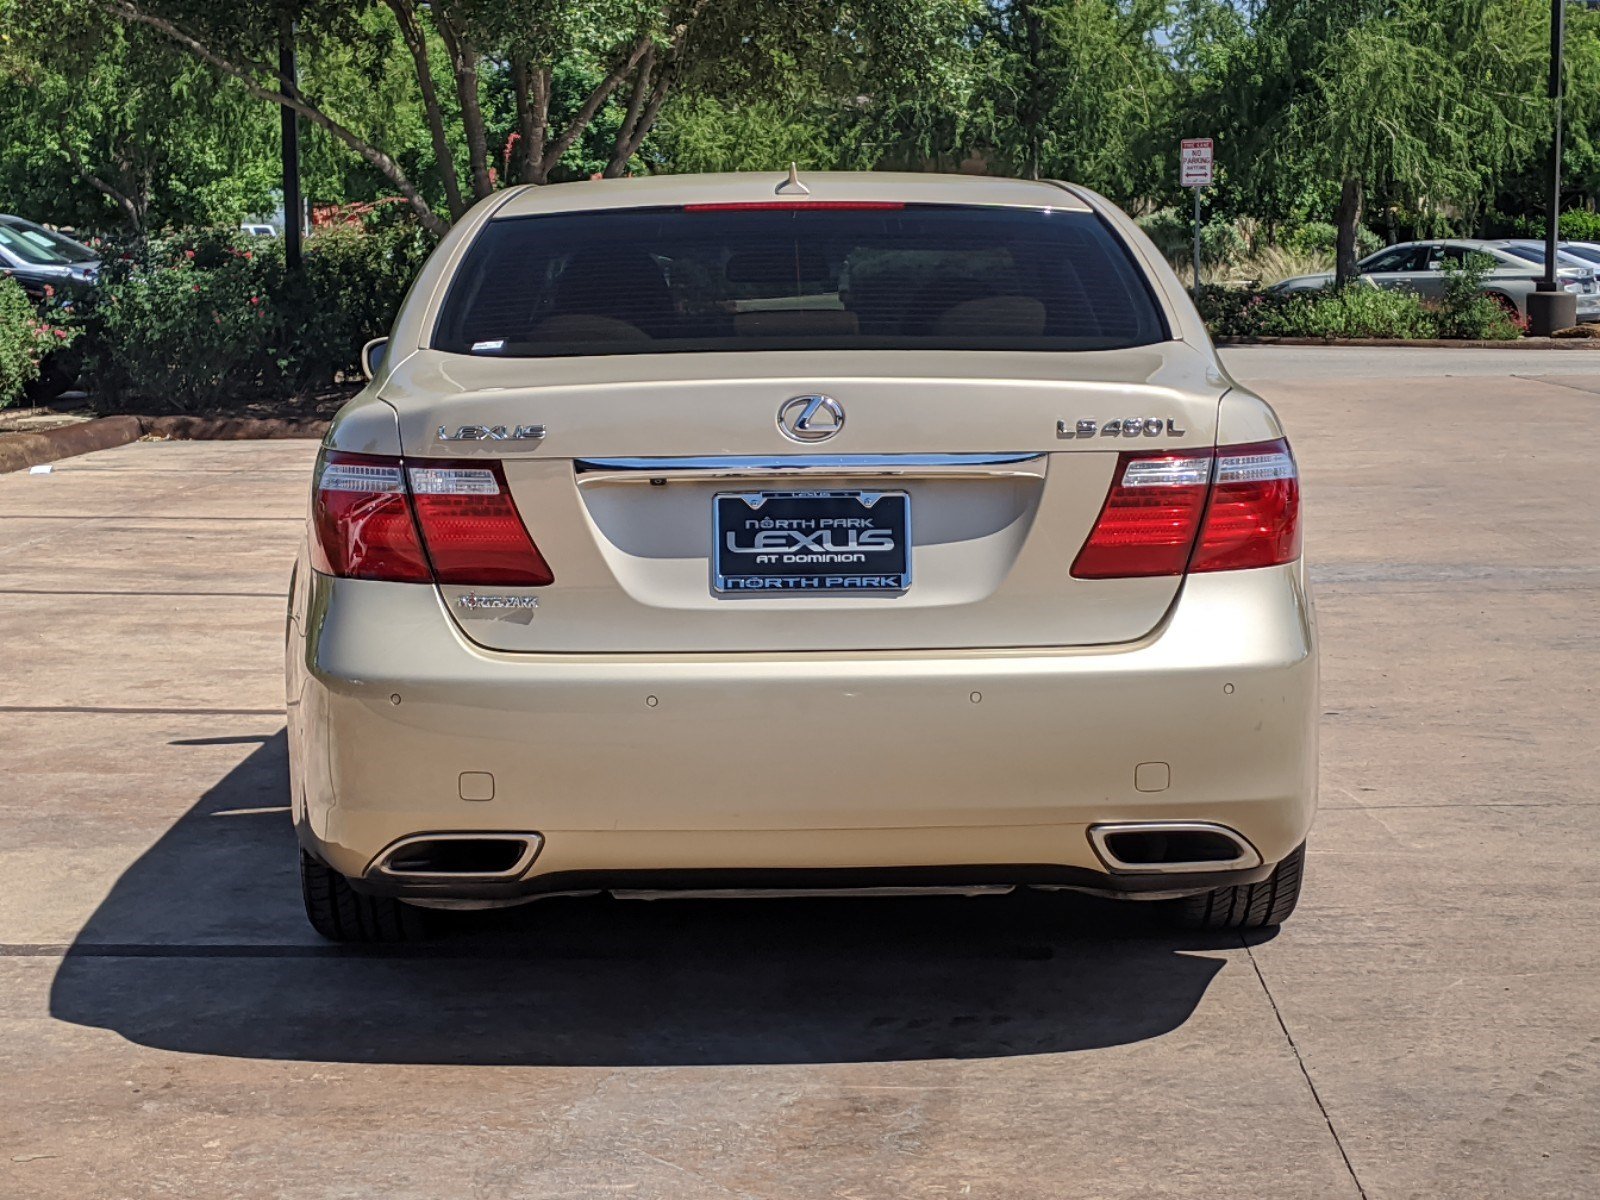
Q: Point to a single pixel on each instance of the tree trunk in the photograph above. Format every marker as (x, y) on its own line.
(622, 148)
(658, 70)
(132, 211)
(652, 110)
(405, 14)
(591, 106)
(249, 73)
(1033, 99)
(532, 86)
(464, 66)
(1348, 221)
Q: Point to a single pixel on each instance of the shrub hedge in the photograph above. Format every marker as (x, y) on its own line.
(1319, 237)
(27, 335)
(1359, 310)
(1578, 225)
(215, 319)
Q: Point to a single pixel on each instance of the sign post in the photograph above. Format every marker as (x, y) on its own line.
(1195, 171)
(1550, 306)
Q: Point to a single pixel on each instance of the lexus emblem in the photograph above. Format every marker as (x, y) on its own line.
(810, 418)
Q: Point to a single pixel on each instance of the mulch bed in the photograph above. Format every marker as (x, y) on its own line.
(1564, 340)
(81, 430)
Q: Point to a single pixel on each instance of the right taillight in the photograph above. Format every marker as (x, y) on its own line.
(1233, 508)
(378, 517)
(1253, 519)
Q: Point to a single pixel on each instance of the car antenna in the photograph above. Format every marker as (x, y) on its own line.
(793, 184)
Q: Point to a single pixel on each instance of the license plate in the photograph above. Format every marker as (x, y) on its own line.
(779, 542)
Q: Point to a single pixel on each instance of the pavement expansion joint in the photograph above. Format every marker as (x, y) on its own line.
(1333, 1131)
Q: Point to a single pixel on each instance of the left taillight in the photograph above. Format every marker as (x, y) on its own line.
(362, 520)
(471, 527)
(378, 517)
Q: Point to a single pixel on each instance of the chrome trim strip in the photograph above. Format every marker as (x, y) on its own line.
(751, 466)
(532, 844)
(1248, 855)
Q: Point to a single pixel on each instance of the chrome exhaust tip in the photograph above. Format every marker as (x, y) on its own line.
(462, 856)
(1171, 847)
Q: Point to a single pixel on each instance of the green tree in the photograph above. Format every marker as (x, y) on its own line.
(100, 127)
(1080, 89)
(628, 56)
(1424, 101)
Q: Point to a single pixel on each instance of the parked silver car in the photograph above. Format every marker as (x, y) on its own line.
(1572, 254)
(1419, 267)
(1588, 252)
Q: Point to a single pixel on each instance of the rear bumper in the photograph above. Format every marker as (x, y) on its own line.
(743, 770)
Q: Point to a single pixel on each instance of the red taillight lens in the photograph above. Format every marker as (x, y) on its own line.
(362, 521)
(1165, 513)
(1254, 517)
(456, 524)
(471, 527)
(1147, 525)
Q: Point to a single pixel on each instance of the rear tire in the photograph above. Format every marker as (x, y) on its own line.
(341, 914)
(54, 379)
(1247, 905)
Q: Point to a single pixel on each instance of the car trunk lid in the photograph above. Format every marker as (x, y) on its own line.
(1003, 460)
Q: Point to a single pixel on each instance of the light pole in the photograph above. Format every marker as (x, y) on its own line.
(1550, 307)
(293, 207)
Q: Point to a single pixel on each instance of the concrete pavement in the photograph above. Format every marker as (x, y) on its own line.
(1427, 1026)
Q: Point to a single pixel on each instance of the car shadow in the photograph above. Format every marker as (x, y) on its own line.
(201, 947)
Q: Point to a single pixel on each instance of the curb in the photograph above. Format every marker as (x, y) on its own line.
(19, 451)
(1422, 343)
(232, 429)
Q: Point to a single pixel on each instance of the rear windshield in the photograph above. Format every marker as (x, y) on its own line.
(651, 281)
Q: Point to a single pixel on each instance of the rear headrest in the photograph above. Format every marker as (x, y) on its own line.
(780, 266)
(824, 322)
(992, 316)
(583, 330)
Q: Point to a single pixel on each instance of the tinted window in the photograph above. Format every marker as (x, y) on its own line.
(1468, 255)
(647, 281)
(1567, 256)
(1401, 258)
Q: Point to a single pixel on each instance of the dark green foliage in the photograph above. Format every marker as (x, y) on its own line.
(27, 334)
(211, 319)
(1576, 226)
(1359, 310)
(1317, 237)
(1355, 311)
(1466, 311)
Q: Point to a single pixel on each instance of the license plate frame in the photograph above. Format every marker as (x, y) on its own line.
(829, 527)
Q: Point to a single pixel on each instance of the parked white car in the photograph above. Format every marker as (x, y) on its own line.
(1419, 267)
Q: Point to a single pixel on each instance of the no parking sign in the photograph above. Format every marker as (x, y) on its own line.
(1194, 162)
